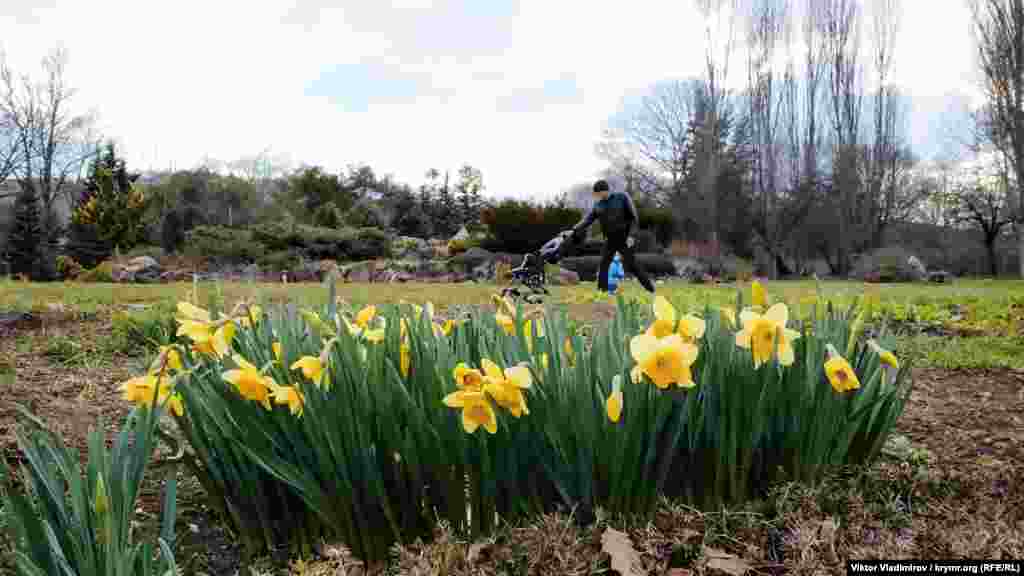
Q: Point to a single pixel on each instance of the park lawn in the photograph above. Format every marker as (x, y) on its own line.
(955, 488)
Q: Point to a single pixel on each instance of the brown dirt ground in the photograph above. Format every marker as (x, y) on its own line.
(965, 501)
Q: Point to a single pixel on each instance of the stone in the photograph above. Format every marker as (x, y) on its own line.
(472, 258)
(462, 234)
(142, 269)
(563, 277)
(690, 268)
(917, 268)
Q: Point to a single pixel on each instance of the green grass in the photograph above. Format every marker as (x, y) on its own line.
(993, 309)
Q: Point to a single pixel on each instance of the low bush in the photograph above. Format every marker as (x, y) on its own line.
(522, 227)
(223, 245)
(587, 266)
(144, 331)
(103, 273)
(369, 244)
(316, 243)
(280, 261)
(67, 267)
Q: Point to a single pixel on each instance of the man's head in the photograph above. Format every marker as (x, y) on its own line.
(600, 190)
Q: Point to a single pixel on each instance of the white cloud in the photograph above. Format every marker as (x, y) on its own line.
(176, 81)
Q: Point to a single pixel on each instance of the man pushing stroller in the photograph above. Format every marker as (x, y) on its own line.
(617, 215)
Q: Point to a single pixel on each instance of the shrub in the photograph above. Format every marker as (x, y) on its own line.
(357, 428)
(520, 227)
(102, 273)
(143, 331)
(364, 215)
(221, 244)
(87, 530)
(172, 232)
(587, 266)
(154, 252)
(277, 235)
(67, 268)
(328, 216)
(458, 246)
(369, 244)
(281, 261)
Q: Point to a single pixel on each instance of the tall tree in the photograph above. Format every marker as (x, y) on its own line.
(998, 27)
(984, 203)
(24, 243)
(841, 35)
(469, 188)
(52, 143)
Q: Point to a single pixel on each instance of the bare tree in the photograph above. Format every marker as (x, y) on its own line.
(840, 26)
(984, 203)
(651, 148)
(998, 27)
(885, 157)
(719, 17)
(51, 143)
(766, 27)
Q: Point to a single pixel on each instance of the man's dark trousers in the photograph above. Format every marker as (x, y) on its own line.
(617, 243)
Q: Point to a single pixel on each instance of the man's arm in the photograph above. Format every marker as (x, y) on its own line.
(585, 223)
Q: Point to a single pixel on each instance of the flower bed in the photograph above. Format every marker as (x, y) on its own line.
(369, 426)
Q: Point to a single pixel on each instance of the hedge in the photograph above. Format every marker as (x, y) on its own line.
(587, 266)
(268, 242)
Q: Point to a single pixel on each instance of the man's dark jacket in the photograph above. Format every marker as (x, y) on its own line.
(616, 213)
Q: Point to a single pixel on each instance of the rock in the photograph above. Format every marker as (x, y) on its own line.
(359, 272)
(690, 268)
(462, 234)
(142, 269)
(563, 277)
(485, 272)
(472, 258)
(917, 268)
(409, 248)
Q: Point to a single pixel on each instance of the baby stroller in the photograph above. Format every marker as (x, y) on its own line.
(530, 274)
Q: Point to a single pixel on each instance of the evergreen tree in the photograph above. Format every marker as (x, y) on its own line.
(110, 213)
(469, 190)
(447, 211)
(24, 243)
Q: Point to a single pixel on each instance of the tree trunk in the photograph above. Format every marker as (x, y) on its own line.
(1020, 247)
(993, 263)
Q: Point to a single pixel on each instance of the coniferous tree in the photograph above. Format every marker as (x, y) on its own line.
(469, 190)
(24, 243)
(447, 210)
(110, 213)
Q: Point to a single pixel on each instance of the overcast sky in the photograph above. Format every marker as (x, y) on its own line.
(519, 89)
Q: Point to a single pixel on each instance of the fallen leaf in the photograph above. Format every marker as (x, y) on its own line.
(624, 558)
(728, 563)
(475, 551)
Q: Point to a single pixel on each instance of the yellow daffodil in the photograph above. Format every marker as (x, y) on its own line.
(476, 410)
(469, 378)
(312, 368)
(504, 305)
(449, 327)
(613, 405)
(691, 328)
(506, 388)
(759, 335)
(664, 318)
(189, 311)
(729, 315)
(758, 297)
(291, 396)
(886, 357)
(251, 384)
(102, 502)
(140, 391)
(840, 374)
(365, 315)
(173, 359)
(636, 374)
(405, 359)
(528, 332)
(278, 352)
(665, 361)
(252, 317)
(316, 323)
(506, 322)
